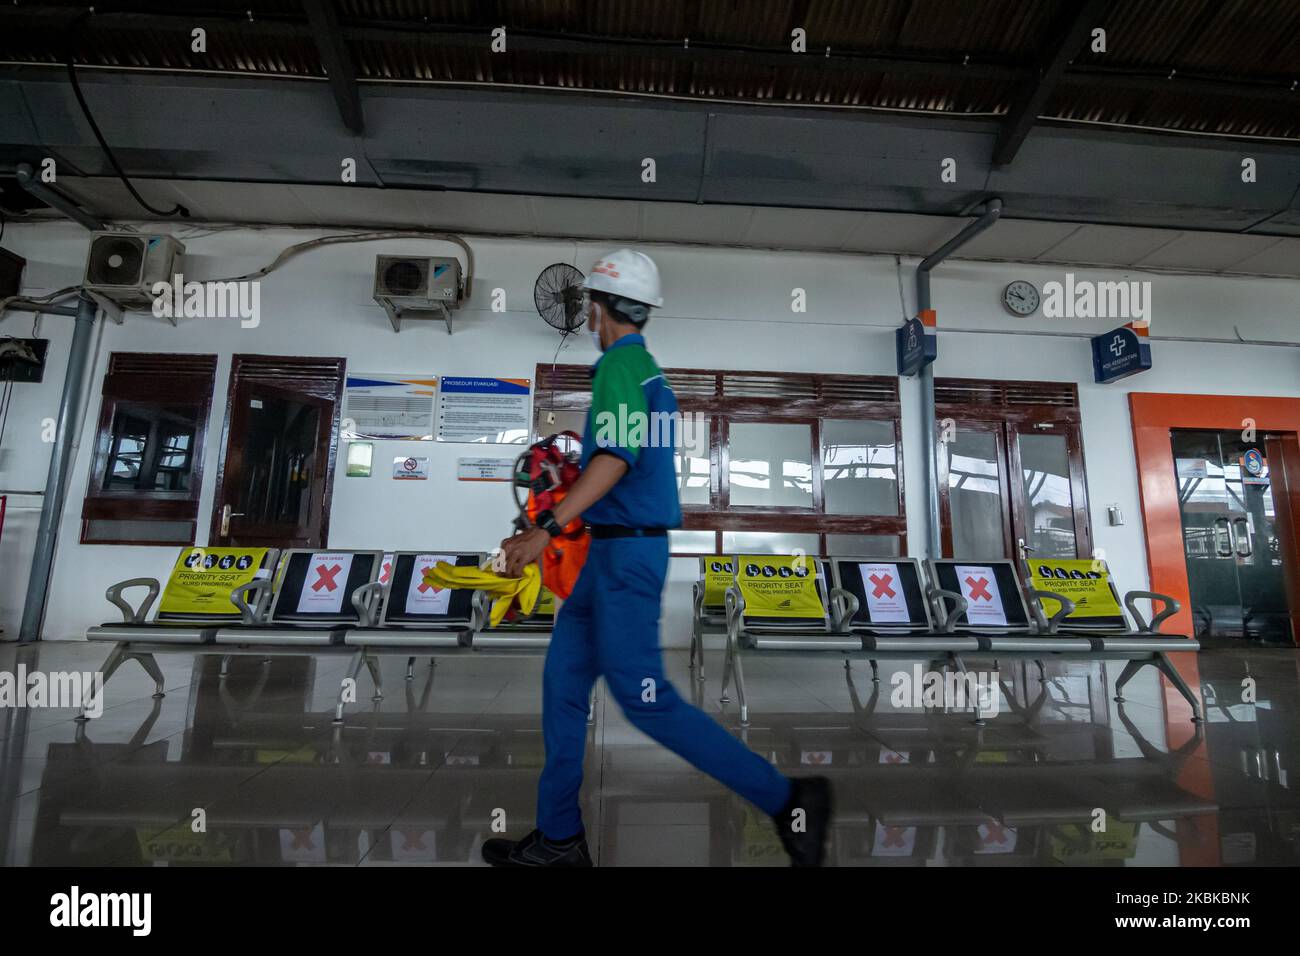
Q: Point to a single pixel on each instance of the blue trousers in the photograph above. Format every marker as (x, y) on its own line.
(609, 627)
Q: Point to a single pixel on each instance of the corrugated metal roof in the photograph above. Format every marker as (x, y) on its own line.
(935, 56)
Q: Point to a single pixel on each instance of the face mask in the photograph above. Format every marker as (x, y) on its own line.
(595, 333)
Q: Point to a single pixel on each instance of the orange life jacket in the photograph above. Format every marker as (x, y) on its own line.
(548, 474)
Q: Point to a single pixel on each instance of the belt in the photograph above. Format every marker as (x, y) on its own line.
(599, 531)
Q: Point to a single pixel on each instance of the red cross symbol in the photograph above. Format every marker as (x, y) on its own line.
(892, 757)
(301, 840)
(327, 576)
(388, 570)
(882, 582)
(979, 589)
(993, 833)
(412, 839)
(426, 586)
(893, 836)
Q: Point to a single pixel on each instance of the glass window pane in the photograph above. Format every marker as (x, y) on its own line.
(692, 460)
(975, 495)
(771, 465)
(1049, 506)
(568, 419)
(691, 542)
(150, 448)
(768, 542)
(865, 545)
(859, 471)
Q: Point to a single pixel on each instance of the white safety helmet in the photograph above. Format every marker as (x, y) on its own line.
(628, 274)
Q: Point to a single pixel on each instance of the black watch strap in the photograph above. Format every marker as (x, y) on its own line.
(546, 521)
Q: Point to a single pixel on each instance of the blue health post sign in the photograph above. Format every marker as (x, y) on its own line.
(1118, 354)
(914, 348)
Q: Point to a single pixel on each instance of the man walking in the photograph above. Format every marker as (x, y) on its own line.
(609, 626)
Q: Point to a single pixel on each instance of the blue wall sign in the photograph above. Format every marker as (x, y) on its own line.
(1118, 354)
(915, 349)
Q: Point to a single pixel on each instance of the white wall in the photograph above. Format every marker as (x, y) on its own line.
(723, 308)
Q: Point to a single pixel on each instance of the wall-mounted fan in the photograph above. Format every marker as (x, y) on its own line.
(558, 297)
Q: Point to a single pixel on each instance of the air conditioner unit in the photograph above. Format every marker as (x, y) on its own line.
(123, 266)
(414, 287)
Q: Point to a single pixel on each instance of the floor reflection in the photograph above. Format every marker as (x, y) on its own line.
(249, 768)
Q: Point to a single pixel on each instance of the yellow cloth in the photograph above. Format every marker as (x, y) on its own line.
(504, 591)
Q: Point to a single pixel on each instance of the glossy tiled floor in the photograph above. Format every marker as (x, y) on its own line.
(420, 776)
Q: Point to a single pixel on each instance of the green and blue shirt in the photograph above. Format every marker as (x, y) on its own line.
(634, 417)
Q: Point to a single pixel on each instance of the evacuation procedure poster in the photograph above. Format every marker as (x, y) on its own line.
(486, 410)
(202, 579)
(779, 585)
(1085, 582)
(389, 407)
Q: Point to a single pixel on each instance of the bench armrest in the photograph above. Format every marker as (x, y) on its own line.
(735, 604)
(844, 607)
(1171, 607)
(697, 599)
(366, 600)
(1053, 625)
(132, 615)
(250, 598)
(480, 611)
(947, 615)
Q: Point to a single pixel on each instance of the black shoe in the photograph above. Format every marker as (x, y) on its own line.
(807, 845)
(536, 850)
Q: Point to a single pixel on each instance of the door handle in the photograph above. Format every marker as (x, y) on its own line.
(1219, 545)
(1242, 535)
(226, 515)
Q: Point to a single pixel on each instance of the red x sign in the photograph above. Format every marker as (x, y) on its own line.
(387, 572)
(426, 586)
(302, 840)
(882, 582)
(979, 589)
(327, 576)
(893, 836)
(993, 833)
(412, 839)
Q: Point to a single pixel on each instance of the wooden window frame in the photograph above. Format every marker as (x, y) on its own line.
(765, 398)
(1009, 409)
(162, 379)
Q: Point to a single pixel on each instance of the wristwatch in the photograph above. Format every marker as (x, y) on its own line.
(546, 521)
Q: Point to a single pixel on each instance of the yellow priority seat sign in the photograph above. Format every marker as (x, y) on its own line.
(202, 580)
(1085, 582)
(775, 585)
(719, 573)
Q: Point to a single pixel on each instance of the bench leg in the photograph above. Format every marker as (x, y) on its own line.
(1042, 672)
(410, 668)
(1130, 668)
(1166, 667)
(726, 672)
(111, 663)
(740, 691)
(357, 660)
(151, 668)
(372, 665)
(224, 671)
(591, 707)
(875, 672)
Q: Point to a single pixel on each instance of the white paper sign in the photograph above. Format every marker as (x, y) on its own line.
(424, 598)
(893, 841)
(414, 846)
(411, 469)
(303, 844)
(995, 838)
(885, 601)
(326, 584)
(979, 587)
